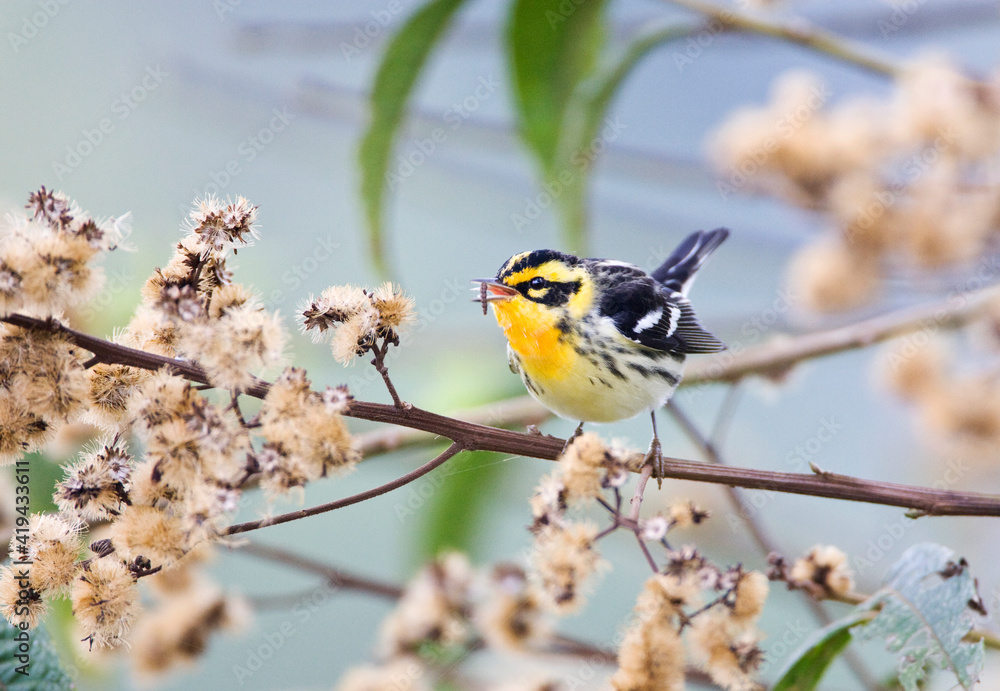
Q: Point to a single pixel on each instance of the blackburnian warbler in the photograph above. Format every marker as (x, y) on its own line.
(597, 340)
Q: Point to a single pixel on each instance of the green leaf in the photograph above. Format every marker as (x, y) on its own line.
(42, 665)
(924, 613)
(552, 45)
(401, 64)
(585, 116)
(808, 664)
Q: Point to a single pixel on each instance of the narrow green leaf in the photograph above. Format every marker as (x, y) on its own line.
(401, 65)
(552, 45)
(33, 666)
(924, 614)
(807, 665)
(585, 117)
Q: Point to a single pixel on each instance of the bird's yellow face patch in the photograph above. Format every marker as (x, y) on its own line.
(552, 289)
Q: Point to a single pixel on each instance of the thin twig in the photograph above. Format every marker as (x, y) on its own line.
(347, 501)
(799, 33)
(779, 354)
(336, 577)
(380, 367)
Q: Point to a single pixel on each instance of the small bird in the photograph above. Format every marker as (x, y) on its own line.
(598, 340)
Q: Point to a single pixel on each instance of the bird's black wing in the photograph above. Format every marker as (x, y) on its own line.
(660, 319)
(678, 271)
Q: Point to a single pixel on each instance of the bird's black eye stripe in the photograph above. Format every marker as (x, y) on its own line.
(556, 293)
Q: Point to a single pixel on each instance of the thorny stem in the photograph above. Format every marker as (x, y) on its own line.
(477, 437)
(353, 499)
(799, 33)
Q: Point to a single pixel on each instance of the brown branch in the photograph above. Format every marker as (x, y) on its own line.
(471, 436)
(353, 499)
(765, 544)
(780, 353)
(338, 578)
(799, 33)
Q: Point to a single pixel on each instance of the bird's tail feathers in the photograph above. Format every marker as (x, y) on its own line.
(678, 272)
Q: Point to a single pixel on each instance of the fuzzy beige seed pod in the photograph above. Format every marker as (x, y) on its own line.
(145, 531)
(105, 602)
(564, 560)
(824, 568)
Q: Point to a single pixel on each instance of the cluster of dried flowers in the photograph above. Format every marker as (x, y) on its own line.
(717, 607)
(957, 399)
(152, 504)
(447, 609)
(906, 183)
(688, 609)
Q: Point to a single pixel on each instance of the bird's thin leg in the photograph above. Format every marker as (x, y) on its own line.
(572, 438)
(655, 454)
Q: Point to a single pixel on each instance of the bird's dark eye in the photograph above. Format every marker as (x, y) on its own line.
(536, 282)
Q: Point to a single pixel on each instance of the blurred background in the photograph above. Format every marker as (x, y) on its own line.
(146, 106)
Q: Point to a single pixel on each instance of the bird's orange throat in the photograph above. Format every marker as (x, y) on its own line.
(532, 333)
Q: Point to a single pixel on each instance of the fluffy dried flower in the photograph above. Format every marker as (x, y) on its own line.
(728, 651)
(146, 531)
(219, 224)
(916, 371)
(52, 545)
(433, 608)
(651, 658)
(95, 486)
(305, 441)
(824, 570)
(44, 257)
(105, 602)
(177, 632)
(111, 388)
(510, 615)
(20, 603)
(684, 514)
(548, 503)
(357, 318)
(830, 276)
(564, 558)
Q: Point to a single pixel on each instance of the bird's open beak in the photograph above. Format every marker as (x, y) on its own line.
(491, 290)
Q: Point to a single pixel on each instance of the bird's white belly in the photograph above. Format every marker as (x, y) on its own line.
(591, 392)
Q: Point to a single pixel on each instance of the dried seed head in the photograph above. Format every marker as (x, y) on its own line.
(105, 602)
